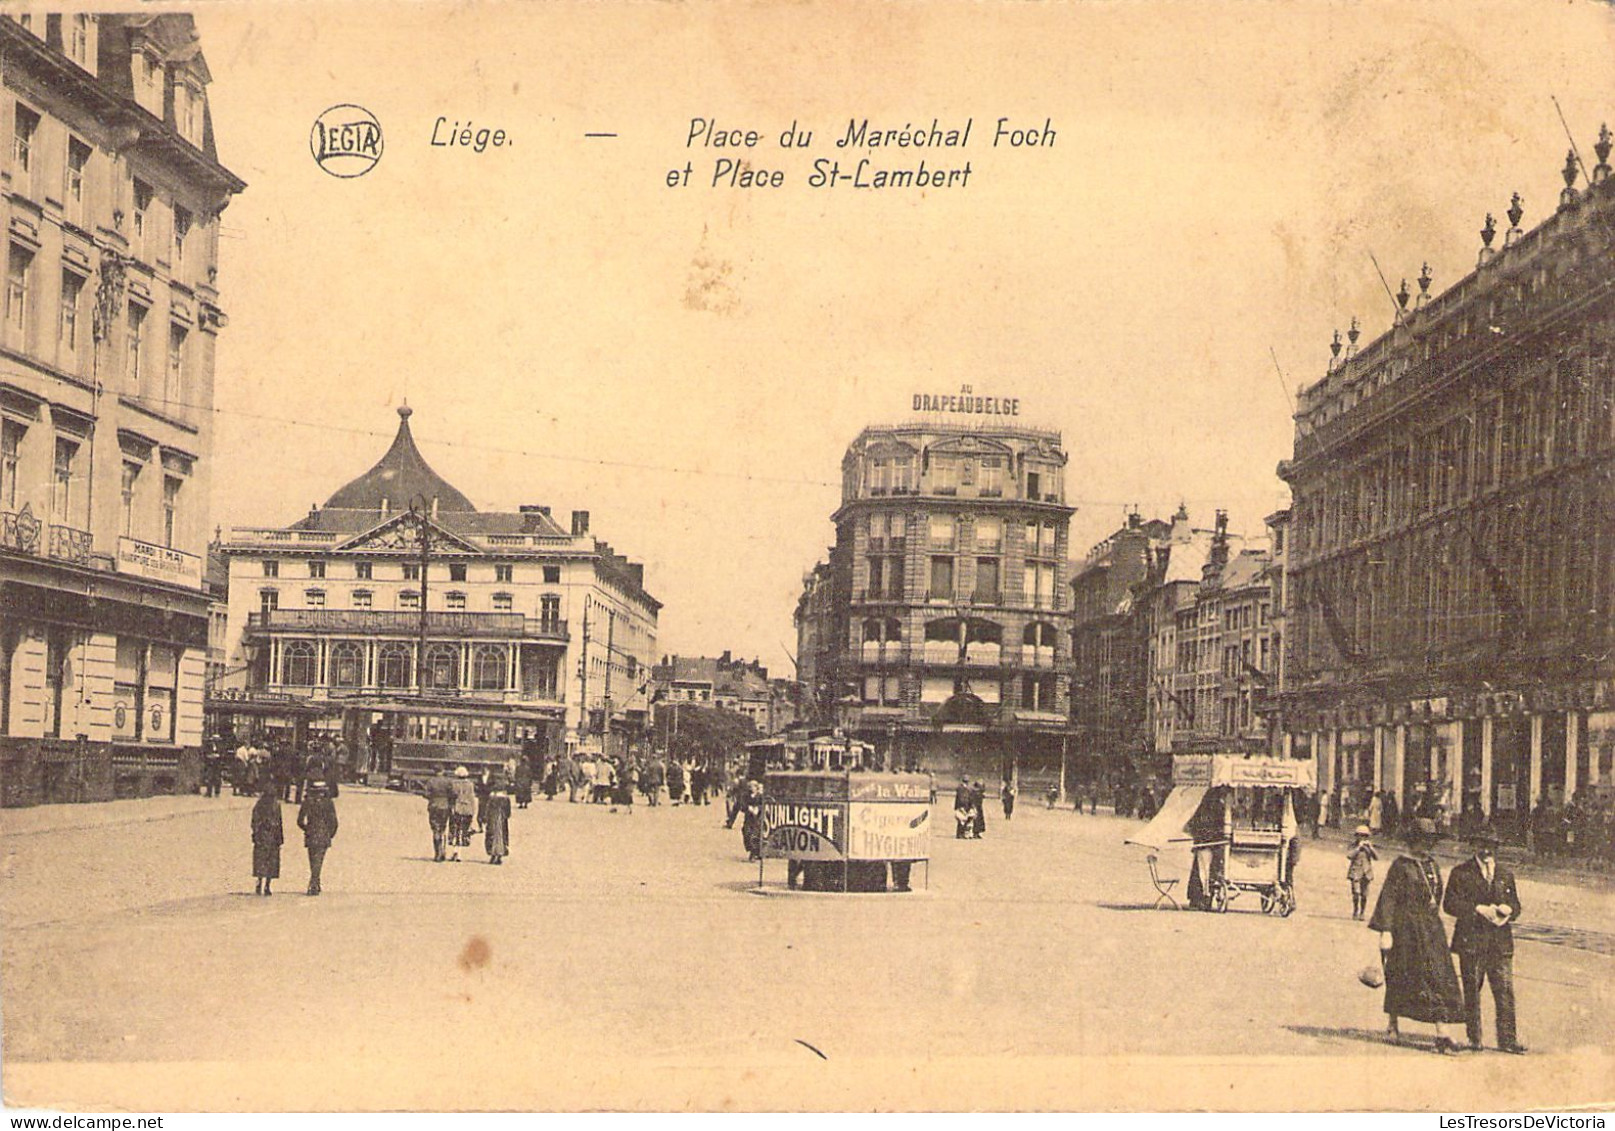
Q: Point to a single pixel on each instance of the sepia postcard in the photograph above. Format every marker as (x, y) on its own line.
(812, 556)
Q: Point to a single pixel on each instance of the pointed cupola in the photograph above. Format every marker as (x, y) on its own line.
(400, 475)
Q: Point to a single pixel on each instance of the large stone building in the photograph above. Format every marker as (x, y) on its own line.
(944, 635)
(399, 587)
(1110, 650)
(1451, 556)
(112, 190)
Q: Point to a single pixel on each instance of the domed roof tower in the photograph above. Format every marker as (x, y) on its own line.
(398, 477)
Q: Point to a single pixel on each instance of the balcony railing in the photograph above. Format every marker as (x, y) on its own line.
(406, 622)
(70, 545)
(19, 530)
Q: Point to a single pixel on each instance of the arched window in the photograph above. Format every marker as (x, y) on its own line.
(347, 664)
(488, 668)
(393, 664)
(442, 667)
(299, 663)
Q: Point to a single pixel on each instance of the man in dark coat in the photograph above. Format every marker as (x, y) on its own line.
(751, 822)
(283, 769)
(1393, 814)
(317, 819)
(212, 768)
(439, 804)
(1419, 979)
(1482, 898)
(963, 810)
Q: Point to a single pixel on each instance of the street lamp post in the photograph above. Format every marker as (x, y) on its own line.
(424, 535)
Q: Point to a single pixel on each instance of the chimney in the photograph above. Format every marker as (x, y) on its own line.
(1134, 520)
(534, 509)
(637, 572)
(580, 523)
(1219, 544)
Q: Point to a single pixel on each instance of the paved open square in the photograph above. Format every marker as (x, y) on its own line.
(621, 960)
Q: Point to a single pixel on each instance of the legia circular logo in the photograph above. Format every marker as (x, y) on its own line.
(346, 140)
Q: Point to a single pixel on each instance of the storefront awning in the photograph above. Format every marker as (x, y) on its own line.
(1170, 821)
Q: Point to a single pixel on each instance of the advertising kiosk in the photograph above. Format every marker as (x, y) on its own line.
(846, 830)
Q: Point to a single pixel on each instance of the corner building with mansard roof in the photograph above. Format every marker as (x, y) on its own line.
(949, 619)
(543, 620)
(111, 189)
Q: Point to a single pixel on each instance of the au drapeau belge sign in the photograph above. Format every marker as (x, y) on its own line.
(966, 402)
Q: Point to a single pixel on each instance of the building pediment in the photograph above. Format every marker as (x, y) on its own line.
(970, 446)
(403, 532)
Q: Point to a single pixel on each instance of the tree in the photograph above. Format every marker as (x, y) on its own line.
(702, 732)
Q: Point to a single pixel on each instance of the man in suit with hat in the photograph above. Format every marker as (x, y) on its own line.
(1482, 898)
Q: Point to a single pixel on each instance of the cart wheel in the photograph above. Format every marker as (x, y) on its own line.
(1270, 902)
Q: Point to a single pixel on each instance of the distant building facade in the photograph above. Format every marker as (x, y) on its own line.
(943, 614)
(365, 597)
(725, 683)
(112, 190)
(1451, 555)
(1110, 674)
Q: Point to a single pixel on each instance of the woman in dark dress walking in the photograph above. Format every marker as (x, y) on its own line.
(268, 834)
(496, 825)
(1420, 983)
(524, 783)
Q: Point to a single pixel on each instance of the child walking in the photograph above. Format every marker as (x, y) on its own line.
(1360, 872)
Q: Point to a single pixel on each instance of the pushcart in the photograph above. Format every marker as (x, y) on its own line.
(1234, 816)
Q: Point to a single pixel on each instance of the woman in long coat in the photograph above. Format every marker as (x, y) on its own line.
(1419, 980)
(524, 783)
(268, 834)
(496, 826)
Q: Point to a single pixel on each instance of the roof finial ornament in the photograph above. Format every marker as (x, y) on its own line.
(1353, 334)
(1601, 170)
(1487, 235)
(1334, 348)
(1424, 286)
(404, 411)
(1403, 295)
(1567, 198)
(1515, 211)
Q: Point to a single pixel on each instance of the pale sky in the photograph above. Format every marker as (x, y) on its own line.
(689, 364)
